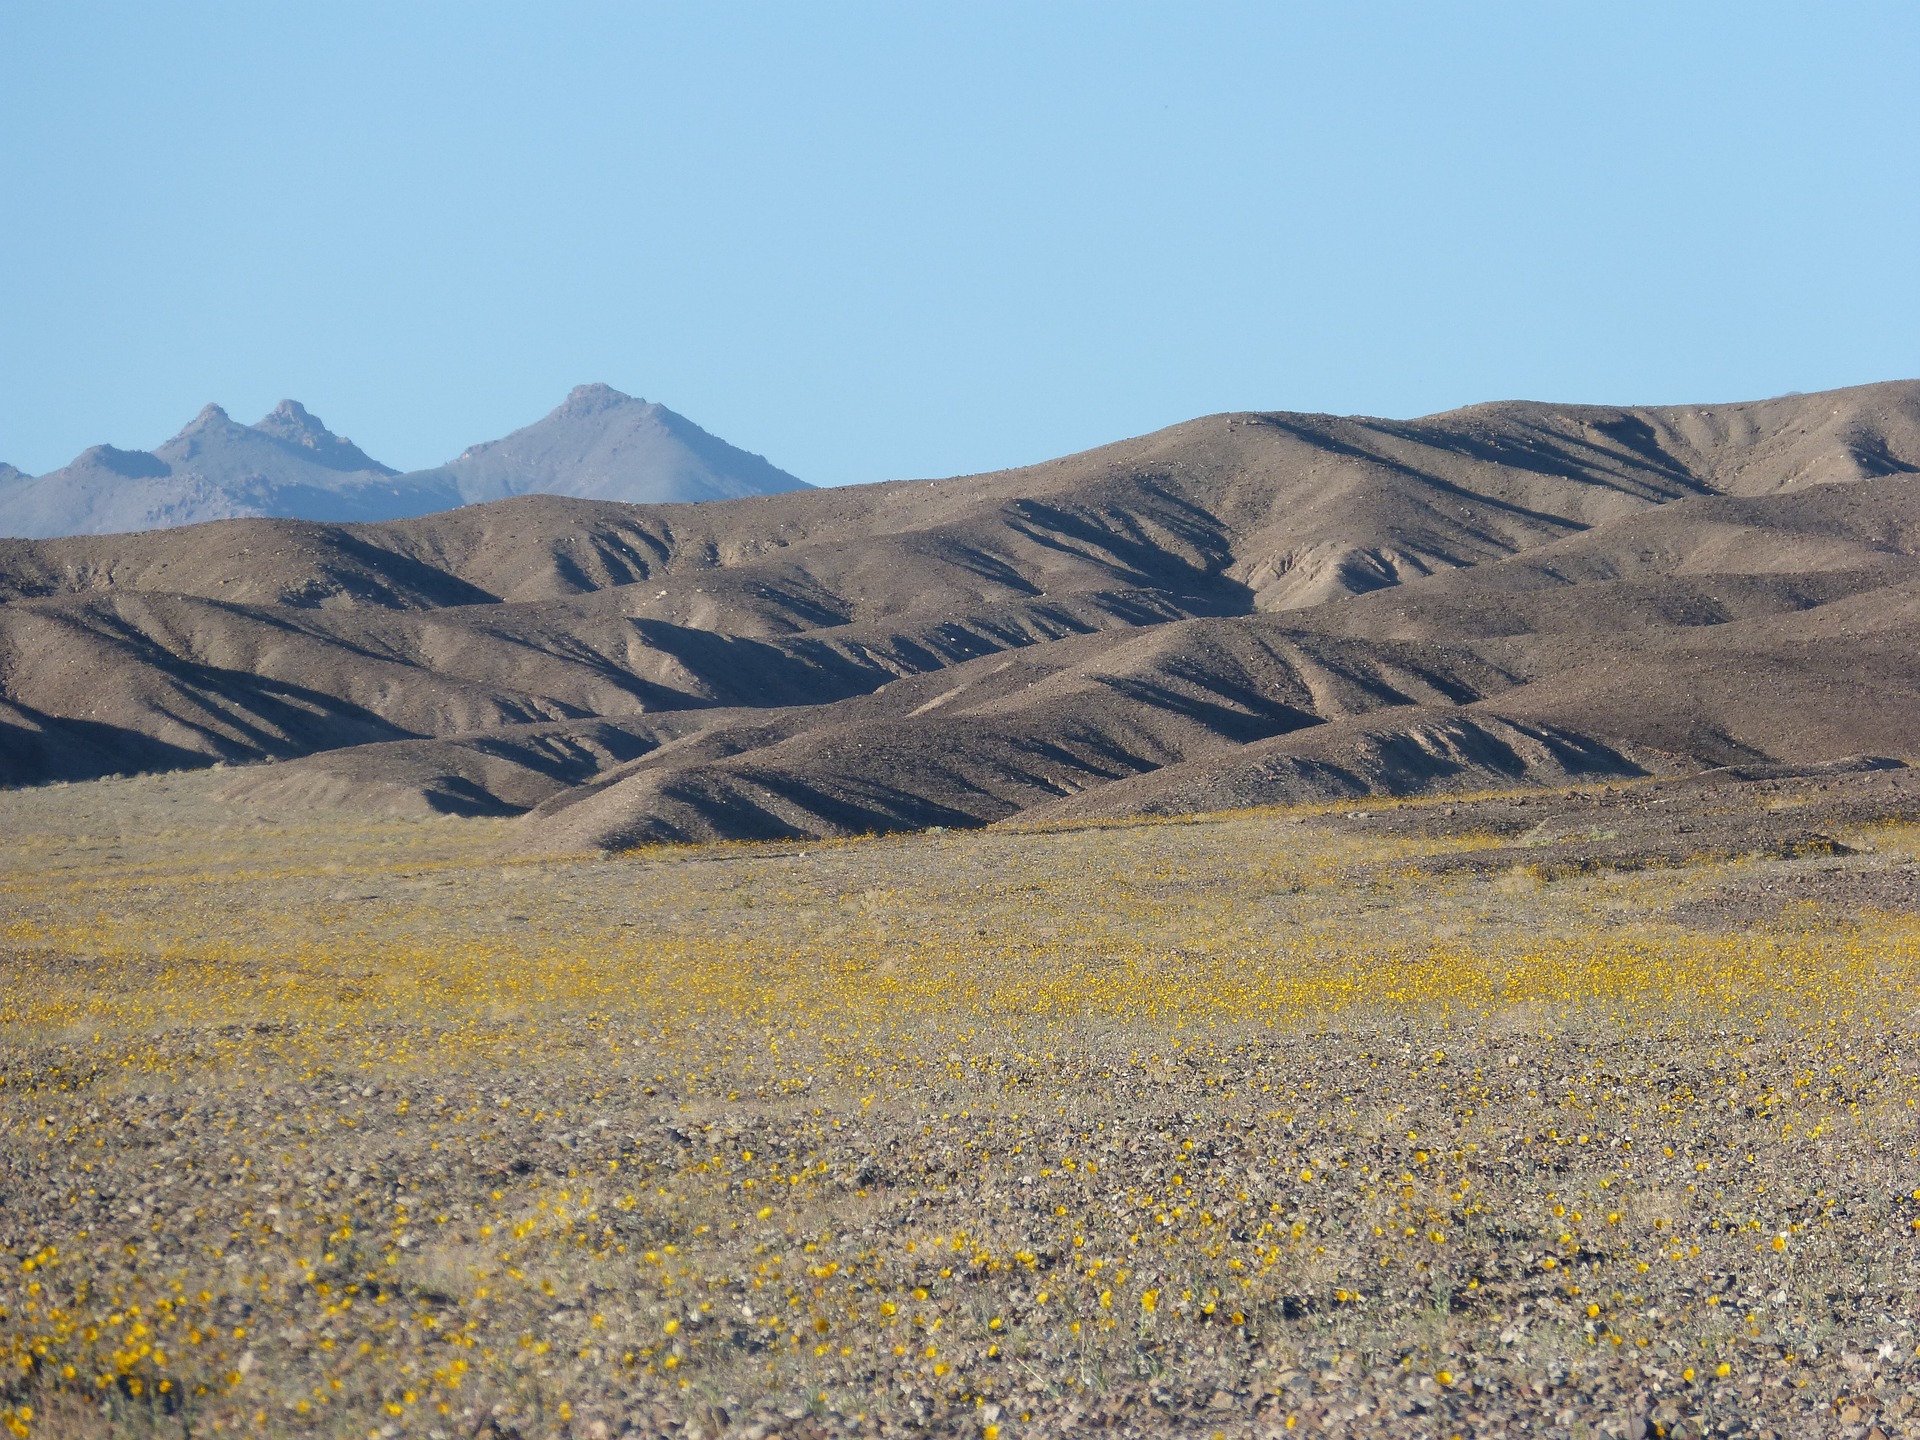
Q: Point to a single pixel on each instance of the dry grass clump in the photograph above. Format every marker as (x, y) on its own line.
(349, 1129)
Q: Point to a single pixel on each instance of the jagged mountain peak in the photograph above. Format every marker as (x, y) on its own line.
(290, 418)
(293, 424)
(210, 417)
(603, 444)
(598, 443)
(591, 399)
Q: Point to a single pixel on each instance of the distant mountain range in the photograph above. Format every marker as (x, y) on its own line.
(1246, 609)
(598, 445)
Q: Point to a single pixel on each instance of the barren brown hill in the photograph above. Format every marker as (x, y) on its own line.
(1238, 609)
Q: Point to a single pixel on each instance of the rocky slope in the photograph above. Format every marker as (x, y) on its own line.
(1242, 609)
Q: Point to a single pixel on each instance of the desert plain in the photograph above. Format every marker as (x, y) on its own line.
(1592, 1111)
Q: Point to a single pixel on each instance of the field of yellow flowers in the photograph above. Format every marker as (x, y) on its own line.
(1323, 1123)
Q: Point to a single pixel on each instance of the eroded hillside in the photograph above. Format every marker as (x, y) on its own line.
(1243, 609)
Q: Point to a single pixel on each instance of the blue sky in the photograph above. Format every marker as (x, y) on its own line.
(886, 240)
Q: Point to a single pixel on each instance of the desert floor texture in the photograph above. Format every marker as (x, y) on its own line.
(1575, 1114)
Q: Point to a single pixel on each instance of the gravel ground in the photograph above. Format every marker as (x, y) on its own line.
(1276, 1123)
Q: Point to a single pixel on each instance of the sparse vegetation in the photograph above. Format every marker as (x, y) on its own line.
(1268, 1123)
